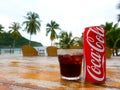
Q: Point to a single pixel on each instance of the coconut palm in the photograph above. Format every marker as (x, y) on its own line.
(118, 18)
(108, 26)
(65, 39)
(51, 28)
(14, 31)
(77, 41)
(32, 24)
(112, 35)
(1, 30)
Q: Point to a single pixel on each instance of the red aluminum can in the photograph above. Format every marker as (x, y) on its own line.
(95, 54)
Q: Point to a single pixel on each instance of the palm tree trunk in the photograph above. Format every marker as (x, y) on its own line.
(113, 52)
(12, 49)
(116, 51)
(14, 44)
(51, 43)
(30, 40)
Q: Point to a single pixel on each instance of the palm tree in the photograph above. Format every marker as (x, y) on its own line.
(32, 23)
(1, 30)
(1, 35)
(112, 35)
(77, 41)
(51, 28)
(118, 18)
(65, 40)
(108, 26)
(14, 31)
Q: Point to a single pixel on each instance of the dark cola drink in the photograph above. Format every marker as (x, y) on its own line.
(70, 65)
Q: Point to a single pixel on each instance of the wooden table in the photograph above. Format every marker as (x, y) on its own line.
(42, 73)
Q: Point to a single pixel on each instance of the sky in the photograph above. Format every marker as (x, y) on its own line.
(72, 15)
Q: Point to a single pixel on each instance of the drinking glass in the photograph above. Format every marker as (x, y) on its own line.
(70, 61)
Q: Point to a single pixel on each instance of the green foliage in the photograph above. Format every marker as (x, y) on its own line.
(77, 41)
(32, 24)
(112, 34)
(108, 26)
(1, 30)
(14, 32)
(7, 41)
(118, 17)
(65, 39)
(51, 28)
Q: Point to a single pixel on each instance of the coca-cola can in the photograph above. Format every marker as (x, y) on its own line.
(94, 54)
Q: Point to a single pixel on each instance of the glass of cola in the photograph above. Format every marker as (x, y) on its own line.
(70, 61)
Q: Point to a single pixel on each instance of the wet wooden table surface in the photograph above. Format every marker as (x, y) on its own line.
(42, 73)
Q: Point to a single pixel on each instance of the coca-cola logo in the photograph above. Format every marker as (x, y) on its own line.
(96, 42)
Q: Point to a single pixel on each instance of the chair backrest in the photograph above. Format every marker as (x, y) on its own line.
(51, 51)
(108, 52)
(29, 51)
(76, 47)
